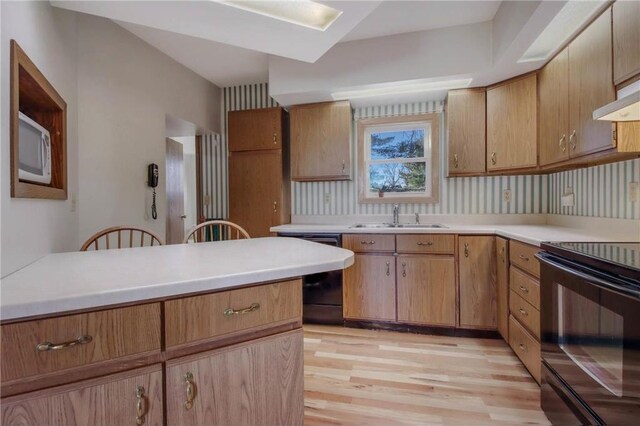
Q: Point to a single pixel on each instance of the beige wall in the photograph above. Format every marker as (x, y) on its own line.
(125, 89)
(34, 228)
(118, 90)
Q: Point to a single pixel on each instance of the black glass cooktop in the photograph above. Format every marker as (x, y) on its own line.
(619, 255)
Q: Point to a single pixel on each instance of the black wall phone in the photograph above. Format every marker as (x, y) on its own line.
(152, 181)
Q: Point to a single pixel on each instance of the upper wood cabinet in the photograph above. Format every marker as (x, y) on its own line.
(553, 97)
(369, 288)
(259, 196)
(255, 129)
(466, 125)
(321, 141)
(626, 40)
(254, 383)
(427, 290)
(477, 275)
(590, 87)
(512, 125)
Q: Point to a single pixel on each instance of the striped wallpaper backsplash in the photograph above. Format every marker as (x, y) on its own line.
(600, 191)
(469, 195)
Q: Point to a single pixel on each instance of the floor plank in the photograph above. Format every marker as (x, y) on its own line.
(371, 377)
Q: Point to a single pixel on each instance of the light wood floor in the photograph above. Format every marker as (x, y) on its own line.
(366, 377)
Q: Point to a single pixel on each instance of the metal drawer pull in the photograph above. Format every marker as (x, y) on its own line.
(140, 411)
(367, 242)
(275, 138)
(524, 289)
(404, 271)
(428, 243)
(572, 140)
(523, 257)
(493, 158)
(523, 312)
(562, 146)
(466, 249)
(388, 268)
(275, 207)
(230, 312)
(48, 346)
(523, 348)
(191, 391)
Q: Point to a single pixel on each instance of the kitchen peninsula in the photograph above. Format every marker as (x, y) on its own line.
(93, 333)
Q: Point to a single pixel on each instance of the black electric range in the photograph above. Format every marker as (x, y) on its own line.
(590, 332)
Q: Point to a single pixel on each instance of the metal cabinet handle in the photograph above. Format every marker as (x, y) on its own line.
(573, 140)
(428, 243)
(140, 409)
(230, 312)
(388, 268)
(275, 138)
(523, 257)
(466, 249)
(493, 158)
(455, 161)
(275, 207)
(404, 271)
(191, 391)
(48, 346)
(523, 312)
(524, 289)
(367, 242)
(522, 347)
(562, 146)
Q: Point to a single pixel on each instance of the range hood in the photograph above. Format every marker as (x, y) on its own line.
(626, 108)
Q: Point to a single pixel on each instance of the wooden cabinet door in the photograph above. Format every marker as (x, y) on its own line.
(321, 141)
(553, 125)
(255, 129)
(256, 200)
(369, 288)
(512, 125)
(466, 122)
(427, 290)
(110, 400)
(255, 383)
(590, 87)
(477, 275)
(626, 40)
(502, 287)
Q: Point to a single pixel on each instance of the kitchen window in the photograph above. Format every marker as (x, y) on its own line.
(398, 159)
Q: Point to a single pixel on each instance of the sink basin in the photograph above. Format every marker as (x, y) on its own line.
(401, 225)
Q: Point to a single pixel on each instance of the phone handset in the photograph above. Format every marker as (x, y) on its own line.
(152, 181)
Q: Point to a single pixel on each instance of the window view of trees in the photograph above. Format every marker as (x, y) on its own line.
(397, 162)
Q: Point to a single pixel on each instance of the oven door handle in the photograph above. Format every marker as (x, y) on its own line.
(606, 285)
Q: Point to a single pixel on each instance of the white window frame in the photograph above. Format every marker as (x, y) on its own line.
(429, 123)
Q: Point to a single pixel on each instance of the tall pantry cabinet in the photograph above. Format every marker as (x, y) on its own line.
(259, 188)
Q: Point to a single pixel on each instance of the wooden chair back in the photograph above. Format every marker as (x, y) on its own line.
(216, 230)
(121, 237)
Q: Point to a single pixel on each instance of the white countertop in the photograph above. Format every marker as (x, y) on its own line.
(530, 234)
(79, 280)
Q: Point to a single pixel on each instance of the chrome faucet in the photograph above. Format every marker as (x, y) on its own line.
(396, 219)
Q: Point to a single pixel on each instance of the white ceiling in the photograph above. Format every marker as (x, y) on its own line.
(397, 17)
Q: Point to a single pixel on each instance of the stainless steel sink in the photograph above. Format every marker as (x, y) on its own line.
(401, 225)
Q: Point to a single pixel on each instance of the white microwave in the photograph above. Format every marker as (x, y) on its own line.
(34, 153)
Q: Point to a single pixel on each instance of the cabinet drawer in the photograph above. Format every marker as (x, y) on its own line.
(45, 346)
(426, 243)
(525, 313)
(528, 288)
(525, 347)
(210, 315)
(363, 243)
(108, 400)
(523, 256)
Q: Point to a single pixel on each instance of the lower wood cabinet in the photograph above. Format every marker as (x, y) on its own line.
(369, 288)
(502, 287)
(131, 398)
(477, 274)
(427, 290)
(255, 383)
